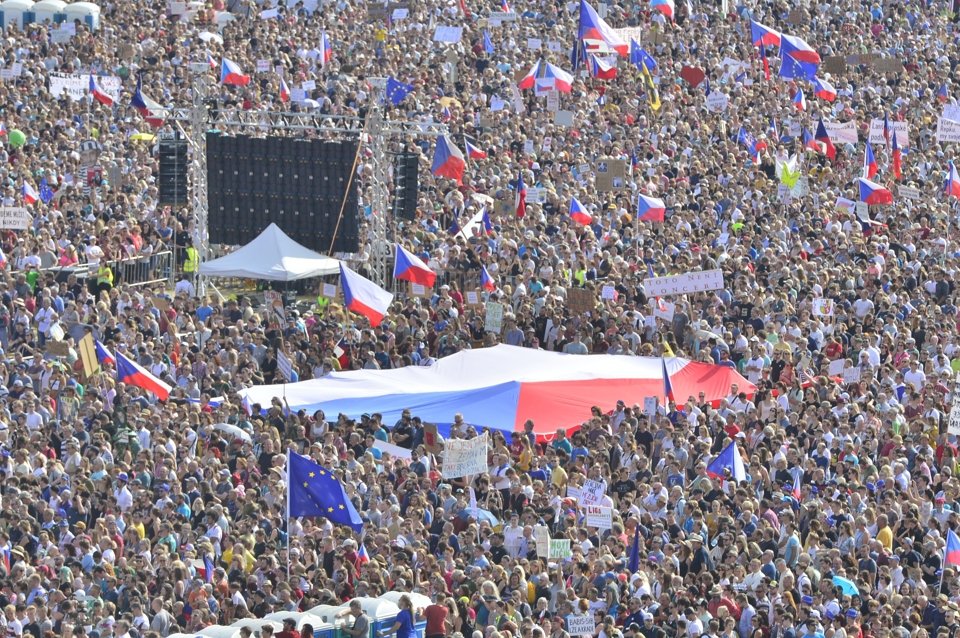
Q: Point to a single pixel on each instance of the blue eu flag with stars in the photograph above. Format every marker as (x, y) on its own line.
(46, 193)
(313, 490)
(397, 90)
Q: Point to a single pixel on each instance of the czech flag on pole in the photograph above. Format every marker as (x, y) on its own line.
(800, 100)
(326, 50)
(869, 162)
(897, 157)
(763, 35)
(364, 297)
(232, 74)
(103, 353)
(951, 555)
(409, 267)
(667, 386)
(473, 151)
(552, 77)
(486, 281)
(873, 194)
(520, 204)
(666, 7)
(448, 160)
(602, 69)
(594, 29)
(131, 373)
(729, 460)
(150, 110)
(98, 94)
(650, 209)
(30, 195)
(579, 214)
(824, 90)
(824, 138)
(942, 95)
(284, 91)
(798, 49)
(952, 187)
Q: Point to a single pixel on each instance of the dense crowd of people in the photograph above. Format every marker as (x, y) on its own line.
(131, 517)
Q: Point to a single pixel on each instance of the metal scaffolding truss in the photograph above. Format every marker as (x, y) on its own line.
(375, 134)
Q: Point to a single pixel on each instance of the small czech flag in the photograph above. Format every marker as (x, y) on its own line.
(284, 91)
(98, 94)
(800, 100)
(231, 74)
(824, 90)
(473, 151)
(650, 209)
(486, 281)
(30, 195)
(873, 194)
(579, 214)
(952, 187)
(869, 162)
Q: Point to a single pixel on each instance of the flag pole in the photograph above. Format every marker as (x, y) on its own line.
(289, 538)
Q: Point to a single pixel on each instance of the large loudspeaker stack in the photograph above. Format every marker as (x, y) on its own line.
(299, 185)
(172, 181)
(406, 181)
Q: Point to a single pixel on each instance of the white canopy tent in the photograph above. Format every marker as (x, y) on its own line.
(272, 256)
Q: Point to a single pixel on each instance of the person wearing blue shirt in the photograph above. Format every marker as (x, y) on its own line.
(403, 626)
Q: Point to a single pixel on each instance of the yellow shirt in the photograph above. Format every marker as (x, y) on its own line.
(885, 538)
(559, 477)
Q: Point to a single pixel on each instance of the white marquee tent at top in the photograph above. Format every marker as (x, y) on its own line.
(272, 256)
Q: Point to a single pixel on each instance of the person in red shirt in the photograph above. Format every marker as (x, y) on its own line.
(718, 600)
(438, 618)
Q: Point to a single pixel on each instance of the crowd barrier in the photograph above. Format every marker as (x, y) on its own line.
(134, 271)
(382, 612)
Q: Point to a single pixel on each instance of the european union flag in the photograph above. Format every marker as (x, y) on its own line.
(313, 490)
(639, 56)
(397, 90)
(487, 43)
(46, 193)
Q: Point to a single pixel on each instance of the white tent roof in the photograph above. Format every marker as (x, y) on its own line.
(272, 256)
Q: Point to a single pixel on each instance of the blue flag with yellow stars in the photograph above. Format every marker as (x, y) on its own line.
(313, 490)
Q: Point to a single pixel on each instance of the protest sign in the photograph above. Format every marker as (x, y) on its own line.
(541, 535)
(581, 625)
(559, 548)
(88, 355)
(574, 492)
(473, 298)
(951, 112)
(263, 66)
(284, 366)
(393, 450)
(663, 309)
(493, 321)
(431, 439)
(697, 281)
(650, 406)
(851, 375)
(823, 307)
(580, 300)
(834, 64)
(609, 293)
(450, 35)
(717, 102)
(842, 132)
(76, 86)
(598, 516)
(563, 118)
(328, 290)
(902, 129)
(947, 130)
(465, 457)
(953, 426)
(269, 14)
(14, 217)
(592, 491)
(835, 369)
(908, 192)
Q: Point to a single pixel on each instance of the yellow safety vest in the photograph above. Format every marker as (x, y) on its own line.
(192, 261)
(105, 275)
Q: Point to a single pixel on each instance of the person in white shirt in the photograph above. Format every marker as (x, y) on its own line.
(915, 376)
(122, 494)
